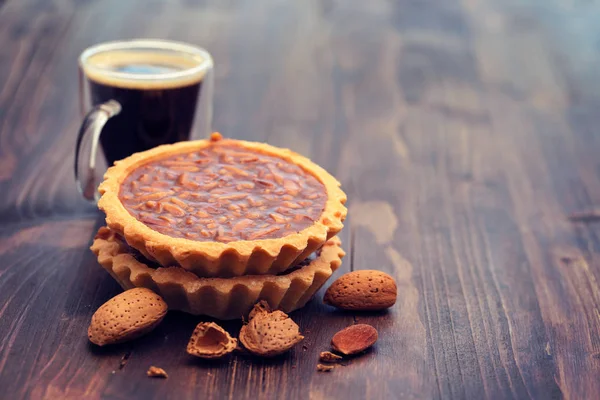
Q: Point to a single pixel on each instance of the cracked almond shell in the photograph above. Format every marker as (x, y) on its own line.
(269, 334)
(209, 340)
(216, 259)
(223, 298)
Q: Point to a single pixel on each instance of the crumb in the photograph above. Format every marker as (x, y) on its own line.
(215, 137)
(327, 356)
(585, 216)
(324, 368)
(155, 372)
(304, 347)
(124, 359)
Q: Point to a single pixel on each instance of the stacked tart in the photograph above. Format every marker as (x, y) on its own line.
(216, 225)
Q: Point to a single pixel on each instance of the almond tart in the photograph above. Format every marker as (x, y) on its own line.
(223, 298)
(222, 207)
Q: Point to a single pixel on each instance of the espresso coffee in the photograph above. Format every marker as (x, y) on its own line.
(158, 99)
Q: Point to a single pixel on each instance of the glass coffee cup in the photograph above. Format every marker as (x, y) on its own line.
(136, 95)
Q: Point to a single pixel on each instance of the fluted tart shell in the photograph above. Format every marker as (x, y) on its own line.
(214, 258)
(223, 298)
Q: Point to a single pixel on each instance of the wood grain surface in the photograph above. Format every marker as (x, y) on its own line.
(464, 132)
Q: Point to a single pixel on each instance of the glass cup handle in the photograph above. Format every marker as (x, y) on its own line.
(90, 129)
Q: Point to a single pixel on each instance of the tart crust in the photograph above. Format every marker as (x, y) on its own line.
(216, 259)
(223, 298)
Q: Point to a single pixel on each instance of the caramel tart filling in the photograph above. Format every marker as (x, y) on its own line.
(223, 193)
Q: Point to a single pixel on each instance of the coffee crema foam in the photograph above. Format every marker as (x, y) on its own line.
(135, 69)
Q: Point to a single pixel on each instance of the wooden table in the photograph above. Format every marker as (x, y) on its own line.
(464, 132)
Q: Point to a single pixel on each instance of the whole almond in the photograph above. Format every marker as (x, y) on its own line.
(269, 333)
(209, 340)
(362, 290)
(126, 316)
(354, 339)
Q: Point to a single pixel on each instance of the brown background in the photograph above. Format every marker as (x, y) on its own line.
(464, 132)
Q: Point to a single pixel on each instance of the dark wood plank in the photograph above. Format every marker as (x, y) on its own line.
(464, 133)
